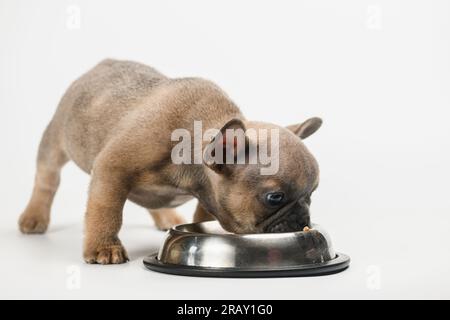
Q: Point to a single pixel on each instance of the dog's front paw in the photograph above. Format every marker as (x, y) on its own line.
(30, 223)
(105, 254)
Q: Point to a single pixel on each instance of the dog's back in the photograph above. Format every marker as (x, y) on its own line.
(94, 104)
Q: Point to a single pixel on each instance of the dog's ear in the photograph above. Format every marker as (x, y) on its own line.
(227, 148)
(307, 128)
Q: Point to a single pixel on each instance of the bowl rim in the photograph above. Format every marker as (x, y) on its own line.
(177, 229)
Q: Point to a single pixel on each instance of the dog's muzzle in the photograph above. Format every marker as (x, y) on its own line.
(294, 219)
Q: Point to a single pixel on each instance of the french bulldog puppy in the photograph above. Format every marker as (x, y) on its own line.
(115, 123)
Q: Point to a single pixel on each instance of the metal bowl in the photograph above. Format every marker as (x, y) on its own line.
(205, 249)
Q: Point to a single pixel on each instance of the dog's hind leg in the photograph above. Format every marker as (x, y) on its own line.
(202, 215)
(51, 159)
(166, 218)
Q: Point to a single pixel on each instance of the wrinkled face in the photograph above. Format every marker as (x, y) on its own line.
(249, 202)
(259, 204)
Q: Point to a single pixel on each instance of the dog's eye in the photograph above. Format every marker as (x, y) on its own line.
(274, 199)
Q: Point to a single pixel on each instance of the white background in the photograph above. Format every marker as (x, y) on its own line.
(378, 72)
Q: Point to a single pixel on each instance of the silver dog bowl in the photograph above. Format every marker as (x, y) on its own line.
(205, 249)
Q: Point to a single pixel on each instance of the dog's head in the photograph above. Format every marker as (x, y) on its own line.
(269, 193)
